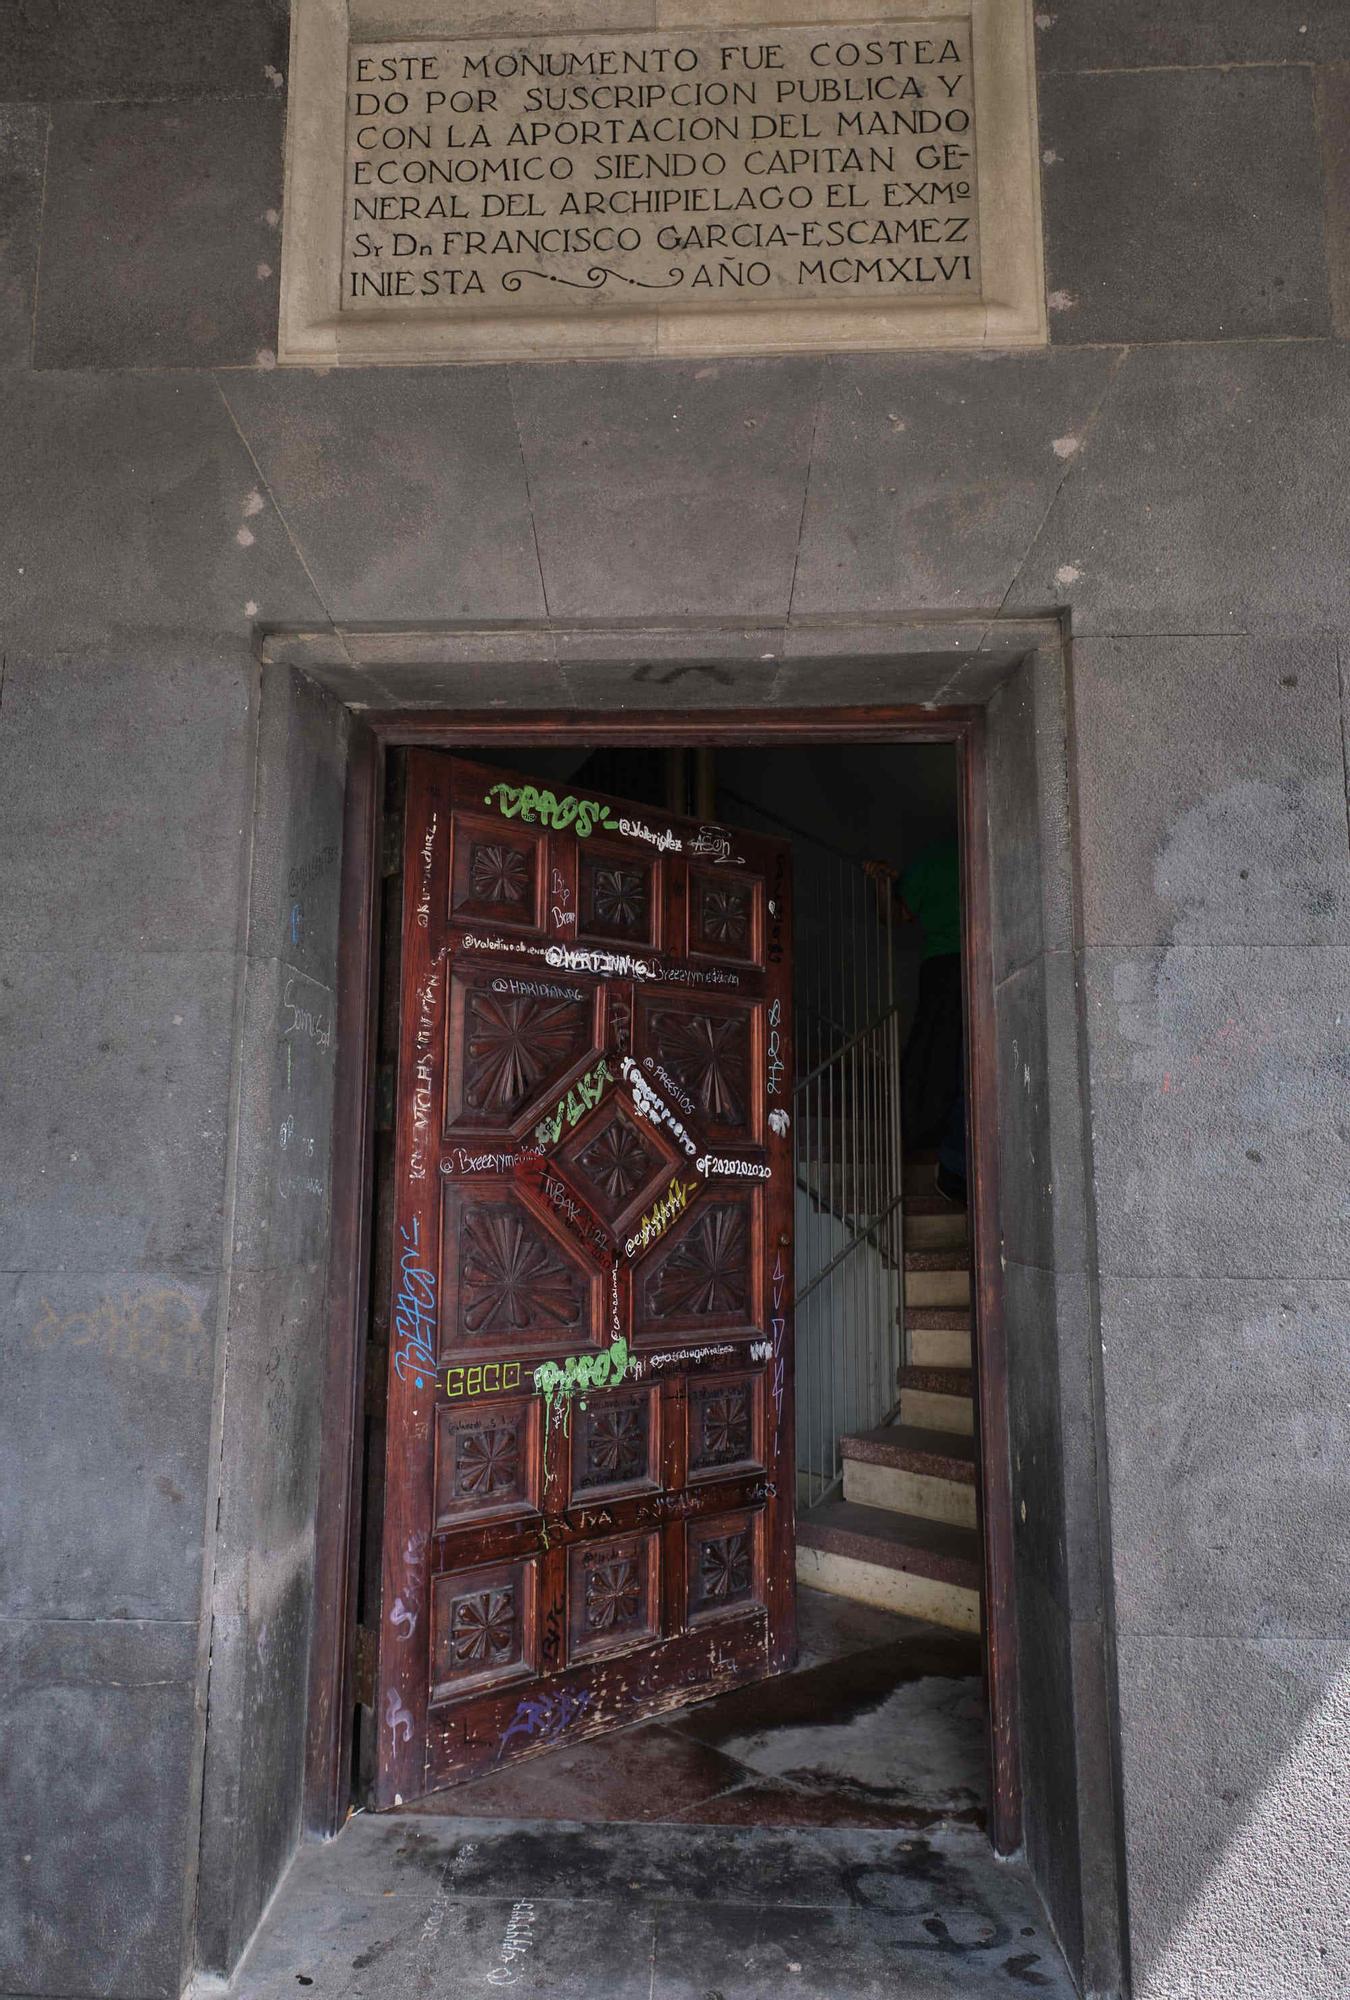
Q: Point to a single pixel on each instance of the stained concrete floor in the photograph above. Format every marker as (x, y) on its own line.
(815, 1838)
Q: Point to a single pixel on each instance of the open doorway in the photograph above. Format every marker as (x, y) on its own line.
(881, 1720)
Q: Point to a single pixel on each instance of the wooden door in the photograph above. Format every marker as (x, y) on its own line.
(589, 1475)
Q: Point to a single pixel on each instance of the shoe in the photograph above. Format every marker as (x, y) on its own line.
(951, 1187)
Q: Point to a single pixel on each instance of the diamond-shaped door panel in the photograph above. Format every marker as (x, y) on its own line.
(702, 1275)
(497, 872)
(616, 1163)
(706, 1047)
(510, 1284)
(513, 1043)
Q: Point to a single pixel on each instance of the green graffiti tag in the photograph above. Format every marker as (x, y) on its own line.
(558, 1382)
(524, 802)
(584, 1095)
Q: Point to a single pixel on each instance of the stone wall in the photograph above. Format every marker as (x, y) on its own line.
(1170, 472)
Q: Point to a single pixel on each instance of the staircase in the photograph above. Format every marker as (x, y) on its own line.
(904, 1535)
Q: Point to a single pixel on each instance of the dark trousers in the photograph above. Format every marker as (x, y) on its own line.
(933, 1074)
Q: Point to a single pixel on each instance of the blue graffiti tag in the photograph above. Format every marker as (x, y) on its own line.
(547, 1717)
(415, 1312)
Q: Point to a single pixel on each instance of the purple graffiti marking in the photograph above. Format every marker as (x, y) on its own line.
(545, 1719)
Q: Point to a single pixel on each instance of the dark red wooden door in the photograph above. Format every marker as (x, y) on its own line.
(589, 1485)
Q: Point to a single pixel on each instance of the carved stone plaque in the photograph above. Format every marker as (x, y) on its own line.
(655, 188)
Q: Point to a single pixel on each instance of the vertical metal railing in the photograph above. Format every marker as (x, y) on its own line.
(847, 1135)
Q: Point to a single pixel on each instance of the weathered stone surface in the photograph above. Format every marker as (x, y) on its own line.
(1234, 1753)
(621, 462)
(1165, 222)
(1208, 499)
(661, 1910)
(285, 1119)
(1045, 1682)
(1218, 1084)
(126, 786)
(297, 824)
(123, 1357)
(163, 48)
(403, 488)
(99, 1723)
(1331, 100)
(1232, 829)
(930, 476)
(1154, 34)
(142, 525)
(1228, 1511)
(122, 1167)
(23, 148)
(157, 250)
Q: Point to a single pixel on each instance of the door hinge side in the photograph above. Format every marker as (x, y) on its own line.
(391, 846)
(384, 1097)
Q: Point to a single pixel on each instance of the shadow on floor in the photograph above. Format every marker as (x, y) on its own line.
(881, 1724)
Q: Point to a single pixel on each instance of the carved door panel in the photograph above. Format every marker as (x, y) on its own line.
(589, 1488)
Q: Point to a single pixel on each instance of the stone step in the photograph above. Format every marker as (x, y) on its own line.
(940, 1339)
(926, 1569)
(944, 1231)
(937, 1399)
(937, 1278)
(930, 1474)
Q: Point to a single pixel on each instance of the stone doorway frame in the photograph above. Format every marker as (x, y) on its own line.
(1001, 691)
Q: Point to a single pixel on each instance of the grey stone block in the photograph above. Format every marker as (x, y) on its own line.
(159, 48)
(1227, 823)
(521, 684)
(141, 531)
(1234, 1753)
(1230, 1455)
(104, 1432)
(670, 489)
(284, 1172)
(1153, 34)
(1026, 1186)
(1015, 862)
(1035, 1432)
(297, 810)
(711, 682)
(1164, 221)
(931, 476)
(23, 151)
(1209, 497)
(126, 787)
(1218, 1082)
(1050, 1802)
(403, 487)
(114, 1110)
(99, 1722)
(1331, 99)
(157, 250)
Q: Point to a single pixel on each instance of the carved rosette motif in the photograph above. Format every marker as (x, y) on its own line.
(725, 1568)
(710, 1055)
(706, 1275)
(613, 1441)
(724, 914)
(723, 1429)
(513, 1276)
(614, 1595)
(618, 1161)
(483, 1628)
(513, 1044)
(499, 874)
(487, 1461)
(617, 898)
